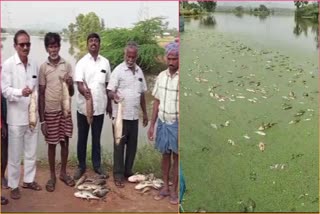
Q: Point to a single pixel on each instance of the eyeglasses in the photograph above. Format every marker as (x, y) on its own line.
(22, 45)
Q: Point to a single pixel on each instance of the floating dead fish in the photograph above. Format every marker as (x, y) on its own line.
(307, 119)
(80, 181)
(85, 195)
(204, 80)
(197, 79)
(286, 106)
(185, 94)
(251, 90)
(246, 136)
(240, 97)
(227, 123)
(260, 133)
(33, 109)
(214, 126)
(230, 72)
(261, 146)
(231, 142)
(278, 166)
(211, 94)
(252, 100)
(118, 123)
(66, 99)
(264, 97)
(294, 121)
(299, 113)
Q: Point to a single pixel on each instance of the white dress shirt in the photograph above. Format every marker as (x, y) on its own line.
(15, 77)
(96, 74)
(129, 86)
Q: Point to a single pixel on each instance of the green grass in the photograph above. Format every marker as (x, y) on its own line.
(225, 177)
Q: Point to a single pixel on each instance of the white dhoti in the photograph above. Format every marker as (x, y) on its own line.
(21, 139)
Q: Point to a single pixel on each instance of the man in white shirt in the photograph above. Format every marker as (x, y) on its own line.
(93, 70)
(128, 83)
(19, 78)
(166, 109)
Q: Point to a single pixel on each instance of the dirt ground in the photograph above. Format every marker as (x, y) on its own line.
(125, 199)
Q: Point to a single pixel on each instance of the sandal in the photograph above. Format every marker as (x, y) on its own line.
(174, 200)
(119, 183)
(15, 193)
(51, 185)
(4, 201)
(33, 186)
(67, 180)
(162, 194)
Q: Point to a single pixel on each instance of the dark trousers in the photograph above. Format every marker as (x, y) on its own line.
(4, 153)
(123, 167)
(83, 131)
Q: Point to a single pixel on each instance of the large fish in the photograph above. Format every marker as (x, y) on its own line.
(86, 195)
(66, 99)
(33, 109)
(80, 181)
(88, 186)
(118, 124)
(89, 106)
(100, 192)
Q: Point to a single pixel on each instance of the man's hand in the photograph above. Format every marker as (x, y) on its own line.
(4, 131)
(145, 119)
(26, 91)
(68, 79)
(44, 129)
(87, 94)
(151, 133)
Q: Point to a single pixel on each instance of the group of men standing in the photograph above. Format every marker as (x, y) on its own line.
(20, 77)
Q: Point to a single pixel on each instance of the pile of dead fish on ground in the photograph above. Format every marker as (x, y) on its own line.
(91, 188)
(145, 182)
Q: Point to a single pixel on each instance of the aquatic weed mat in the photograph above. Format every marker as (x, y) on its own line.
(249, 126)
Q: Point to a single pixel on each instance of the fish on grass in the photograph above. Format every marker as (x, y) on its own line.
(66, 99)
(118, 123)
(33, 109)
(89, 105)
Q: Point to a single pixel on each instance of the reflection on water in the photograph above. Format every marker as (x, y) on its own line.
(278, 31)
(68, 52)
(208, 21)
(306, 26)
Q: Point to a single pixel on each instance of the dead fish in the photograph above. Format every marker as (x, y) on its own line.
(294, 121)
(240, 97)
(99, 182)
(300, 113)
(204, 80)
(246, 137)
(260, 133)
(66, 99)
(261, 146)
(144, 190)
(100, 192)
(85, 195)
(33, 109)
(118, 124)
(231, 142)
(80, 181)
(214, 126)
(251, 90)
(88, 186)
(89, 106)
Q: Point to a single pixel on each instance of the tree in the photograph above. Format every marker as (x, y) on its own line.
(299, 4)
(208, 6)
(143, 33)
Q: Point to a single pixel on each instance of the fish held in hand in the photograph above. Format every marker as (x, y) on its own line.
(33, 109)
(66, 99)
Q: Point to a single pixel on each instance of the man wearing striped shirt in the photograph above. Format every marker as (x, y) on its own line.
(166, 113)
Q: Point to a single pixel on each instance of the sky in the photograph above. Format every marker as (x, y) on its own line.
(57, 15)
